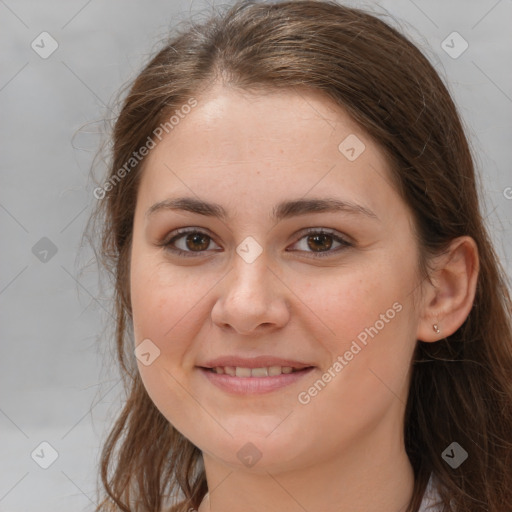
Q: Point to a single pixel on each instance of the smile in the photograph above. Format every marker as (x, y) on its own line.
(242, 380)
(240, 371)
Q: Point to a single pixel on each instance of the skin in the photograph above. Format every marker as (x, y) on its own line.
(247, 153)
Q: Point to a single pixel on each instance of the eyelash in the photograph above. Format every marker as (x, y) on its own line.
(179, 233)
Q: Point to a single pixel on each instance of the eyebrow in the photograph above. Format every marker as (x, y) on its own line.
(283, 210)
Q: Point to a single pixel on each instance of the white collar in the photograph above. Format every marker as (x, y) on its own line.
(430, 498)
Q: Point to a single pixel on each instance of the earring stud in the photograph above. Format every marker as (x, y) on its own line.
(436, 329)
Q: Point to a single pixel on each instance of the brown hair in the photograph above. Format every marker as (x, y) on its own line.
(461, 388)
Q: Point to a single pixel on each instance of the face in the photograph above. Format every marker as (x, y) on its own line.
(306, 263)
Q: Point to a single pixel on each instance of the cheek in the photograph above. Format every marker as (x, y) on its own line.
(351, 301)
(163, 302)
(163, 312)
(371, 344)
(157, 305)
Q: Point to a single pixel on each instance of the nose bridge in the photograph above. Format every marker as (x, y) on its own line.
(250, 297)
(250, 280)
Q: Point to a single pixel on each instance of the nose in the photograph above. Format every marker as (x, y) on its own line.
(252, 299)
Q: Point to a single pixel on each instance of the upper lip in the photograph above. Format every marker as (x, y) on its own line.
(253, 362)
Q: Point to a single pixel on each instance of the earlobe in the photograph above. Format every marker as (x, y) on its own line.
(449, 299)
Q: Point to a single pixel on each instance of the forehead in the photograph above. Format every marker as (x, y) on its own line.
(263, 147)
(231, 123)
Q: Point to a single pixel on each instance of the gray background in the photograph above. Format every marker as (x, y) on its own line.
(55, 383)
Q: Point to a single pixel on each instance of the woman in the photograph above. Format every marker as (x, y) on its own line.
(310, 313)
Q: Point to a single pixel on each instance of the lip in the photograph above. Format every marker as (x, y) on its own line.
(253, 385)
(254, 362)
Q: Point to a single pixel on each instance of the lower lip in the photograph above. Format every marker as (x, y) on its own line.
(253, 385)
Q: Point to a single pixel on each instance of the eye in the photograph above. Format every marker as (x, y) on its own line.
(187, 242)
(321, 241)
(193, 242)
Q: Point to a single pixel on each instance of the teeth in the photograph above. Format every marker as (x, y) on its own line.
(274, 370)
(230, 370)
(242, 372)
(259, 372)
(239, 371)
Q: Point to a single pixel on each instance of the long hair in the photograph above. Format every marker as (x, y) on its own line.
(461, 386)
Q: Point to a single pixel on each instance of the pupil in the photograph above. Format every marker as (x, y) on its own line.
(320, 239)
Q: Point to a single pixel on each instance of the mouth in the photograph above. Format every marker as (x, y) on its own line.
(264, 371)
(252, 376)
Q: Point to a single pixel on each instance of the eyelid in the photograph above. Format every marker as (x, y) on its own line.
(326, 231)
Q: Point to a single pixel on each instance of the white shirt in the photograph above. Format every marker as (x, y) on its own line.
(430, 497)
(427, 504)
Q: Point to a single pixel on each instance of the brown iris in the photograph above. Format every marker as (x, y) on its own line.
(319, 242)
(194, 241)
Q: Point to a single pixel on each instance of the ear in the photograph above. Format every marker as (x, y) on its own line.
(448, 298)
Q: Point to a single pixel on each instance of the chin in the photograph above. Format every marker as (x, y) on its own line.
(257, 451)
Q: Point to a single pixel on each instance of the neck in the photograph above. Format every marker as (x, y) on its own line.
(373, 477)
